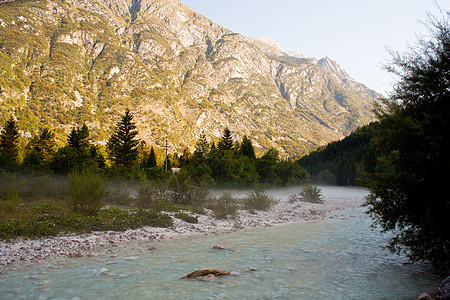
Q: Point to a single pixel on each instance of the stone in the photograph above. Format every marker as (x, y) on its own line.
(205, 272)
(424, 296)
(444, 289)
(220, 247)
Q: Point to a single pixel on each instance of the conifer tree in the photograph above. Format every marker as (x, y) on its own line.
(9, 144)
(201, 147)
(78, 138)
(226, 142)
(40, 150)
(151, 160)
(247, 148)
(123, 145)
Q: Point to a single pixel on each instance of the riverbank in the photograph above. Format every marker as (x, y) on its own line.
(82, 245)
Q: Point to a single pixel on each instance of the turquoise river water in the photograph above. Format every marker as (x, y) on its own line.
(333, 258)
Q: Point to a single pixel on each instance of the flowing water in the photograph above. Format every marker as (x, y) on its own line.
(333, 258)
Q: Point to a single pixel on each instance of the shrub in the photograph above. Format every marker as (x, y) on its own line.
(226, 205)
(311, 193)
(86, 192)
(187, 218)
(151, 195)
(258, 199)
(184, 191)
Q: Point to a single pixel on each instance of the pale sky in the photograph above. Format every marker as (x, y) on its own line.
(354, 33)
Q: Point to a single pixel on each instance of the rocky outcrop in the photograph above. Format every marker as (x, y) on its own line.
(67, 62)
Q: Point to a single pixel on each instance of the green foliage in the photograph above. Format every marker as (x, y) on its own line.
(258, 199)
(9, 144)
(184, 191)
(86, 191)
(310, 193)
(345, 162)
(150, 194)
(78, 138)
(226, 142)
(40, 150)
(410, 190)
(247, 148)
(151, 160)
(224, 206)
(186, 217)
(123, 145)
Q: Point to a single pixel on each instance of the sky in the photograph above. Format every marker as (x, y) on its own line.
(356, 34)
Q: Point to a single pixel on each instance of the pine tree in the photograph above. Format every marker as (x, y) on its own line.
(247, 148)
(9, 144)
(123, 145)
(151, 160)
(40, 150)
(226, 142)
(78, 138)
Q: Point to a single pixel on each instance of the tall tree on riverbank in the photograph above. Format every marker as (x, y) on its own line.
(9, 144)
(123, 144)
(409, 190)
(226, 142)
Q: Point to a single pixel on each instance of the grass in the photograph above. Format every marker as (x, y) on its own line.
(35, 206)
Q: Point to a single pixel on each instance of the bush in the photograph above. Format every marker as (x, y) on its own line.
(187, 218)
(311, 193)
(86, 192)
(184, 191)
(258, 199)
(226, 205)
(150, 195)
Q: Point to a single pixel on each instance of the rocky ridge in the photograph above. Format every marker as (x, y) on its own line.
(67, 62)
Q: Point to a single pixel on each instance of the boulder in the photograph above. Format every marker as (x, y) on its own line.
(444, 289)
(205, 272)
(220, 247)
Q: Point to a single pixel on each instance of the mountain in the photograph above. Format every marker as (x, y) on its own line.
(63, 63)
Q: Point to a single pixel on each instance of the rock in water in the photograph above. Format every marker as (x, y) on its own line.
(209, 277)
(424, 296)
(220, 247)
(444, 288)
(205, 272)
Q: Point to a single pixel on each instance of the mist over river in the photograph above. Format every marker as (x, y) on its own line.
(337, 257)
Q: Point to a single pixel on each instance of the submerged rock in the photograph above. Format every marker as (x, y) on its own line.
(220, 247)
(205, 272)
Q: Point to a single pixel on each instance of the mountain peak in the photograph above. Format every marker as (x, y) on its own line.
(65, 63)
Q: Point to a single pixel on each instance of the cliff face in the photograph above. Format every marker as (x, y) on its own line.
(67, 62)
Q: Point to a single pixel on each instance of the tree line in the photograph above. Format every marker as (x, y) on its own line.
(228, 162)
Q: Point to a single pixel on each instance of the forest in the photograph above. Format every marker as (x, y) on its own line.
(228, 163)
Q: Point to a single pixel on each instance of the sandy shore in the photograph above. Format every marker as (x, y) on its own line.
(83, 245)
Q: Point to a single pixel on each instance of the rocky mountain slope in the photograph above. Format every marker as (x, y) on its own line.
(67, 62)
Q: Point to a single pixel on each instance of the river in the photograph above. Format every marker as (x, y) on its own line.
(334, 258)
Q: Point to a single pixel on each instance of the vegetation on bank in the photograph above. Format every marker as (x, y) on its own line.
(345, 162)
(410, 194)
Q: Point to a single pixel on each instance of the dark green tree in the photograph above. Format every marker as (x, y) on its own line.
(266, 167)
(78, 138)
(410, 191)
(151, 160)
(9, 144)
(226, 142)
(40, 150)
(123, 144)
(247, 148)
(201, 147)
